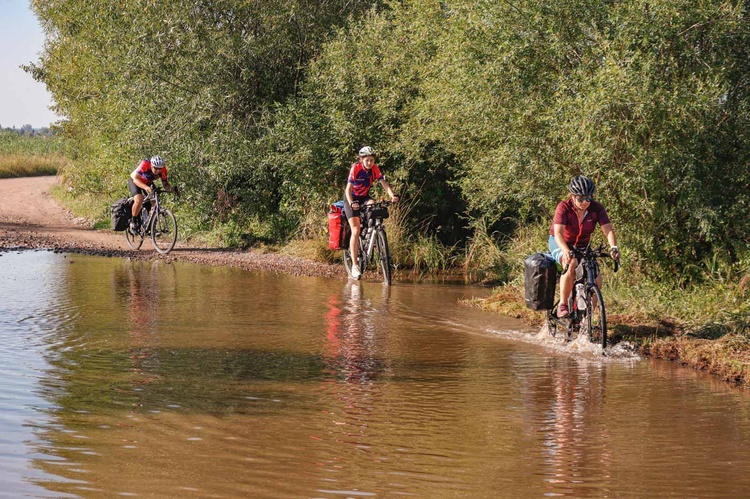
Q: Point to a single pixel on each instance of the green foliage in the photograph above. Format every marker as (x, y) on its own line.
(193, 81)
(481, 112)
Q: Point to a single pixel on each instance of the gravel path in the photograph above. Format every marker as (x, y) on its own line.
(31, 219)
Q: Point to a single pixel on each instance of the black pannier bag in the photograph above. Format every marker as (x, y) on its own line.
(540, 280)
(121, 213)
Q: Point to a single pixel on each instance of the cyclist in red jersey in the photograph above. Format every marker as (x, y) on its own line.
(357, 193)
(574, 222)
(141, 184)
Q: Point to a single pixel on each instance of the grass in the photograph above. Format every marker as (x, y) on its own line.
(15, 165)
(28, 156)
(85, 206)
(705, 325)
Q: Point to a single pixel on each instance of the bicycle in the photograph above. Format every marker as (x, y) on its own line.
(588, 314)
(159, 222)
(372, 237)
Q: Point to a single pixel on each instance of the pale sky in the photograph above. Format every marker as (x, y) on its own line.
(23, 100)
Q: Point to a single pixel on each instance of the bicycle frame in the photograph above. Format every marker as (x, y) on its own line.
(584, 319)
(160, 223)
(372, 236)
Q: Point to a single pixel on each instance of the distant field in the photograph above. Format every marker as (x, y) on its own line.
(24, 156)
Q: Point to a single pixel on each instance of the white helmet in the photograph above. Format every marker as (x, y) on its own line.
(366, 151)
(157, 162)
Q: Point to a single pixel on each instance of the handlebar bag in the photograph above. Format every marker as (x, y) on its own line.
(121, 213)
(540, 280)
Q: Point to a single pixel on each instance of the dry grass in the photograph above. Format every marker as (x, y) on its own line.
(311, 249)
(20, 165)
(727, 357)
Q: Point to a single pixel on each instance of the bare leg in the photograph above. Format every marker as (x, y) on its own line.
(137, 205)
(567, 280)
(354, 240)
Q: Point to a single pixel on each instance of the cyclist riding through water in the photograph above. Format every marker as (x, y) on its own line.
(357, 192)
(574, 221)
(141, 184)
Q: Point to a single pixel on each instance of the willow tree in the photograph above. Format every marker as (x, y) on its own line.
(193, 80)
(506, 101)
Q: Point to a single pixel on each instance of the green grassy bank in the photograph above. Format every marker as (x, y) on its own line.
(702, 321)
(29, 156)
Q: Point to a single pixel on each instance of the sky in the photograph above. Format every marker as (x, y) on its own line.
(22, 99)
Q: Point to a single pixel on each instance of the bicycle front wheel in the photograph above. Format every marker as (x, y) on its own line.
(164, 231)
(134, 240)
(384, 254)
(596, 318)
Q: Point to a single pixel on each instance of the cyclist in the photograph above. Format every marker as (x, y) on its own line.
(141, 183)
(574, 221)
(357, 192)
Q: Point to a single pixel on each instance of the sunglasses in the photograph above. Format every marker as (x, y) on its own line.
(583, 199)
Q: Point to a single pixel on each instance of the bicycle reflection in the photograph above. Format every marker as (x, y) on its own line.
(354, 337)
(351, 335)
(574, 419)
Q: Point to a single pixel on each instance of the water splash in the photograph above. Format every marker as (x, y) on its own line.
(580, 346)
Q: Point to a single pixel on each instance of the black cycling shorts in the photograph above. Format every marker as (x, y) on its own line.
(350, 213)
(134, 189)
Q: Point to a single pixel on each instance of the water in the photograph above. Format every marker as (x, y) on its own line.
(135, 379)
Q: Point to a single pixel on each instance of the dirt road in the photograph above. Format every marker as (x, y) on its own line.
(31, 219)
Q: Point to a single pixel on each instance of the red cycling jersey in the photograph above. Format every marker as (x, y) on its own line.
(578, 235)
(147, 175)
(361, 179)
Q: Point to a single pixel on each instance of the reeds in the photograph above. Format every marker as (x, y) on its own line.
(18, 165)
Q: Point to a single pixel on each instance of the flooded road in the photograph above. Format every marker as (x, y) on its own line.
(150, 379)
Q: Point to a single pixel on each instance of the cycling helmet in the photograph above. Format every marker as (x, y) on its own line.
(366, 151)
(581, 186)
(157, 162)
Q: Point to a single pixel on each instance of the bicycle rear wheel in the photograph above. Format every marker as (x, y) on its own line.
(135, 241)
(384, 255)
(164, 231)
(596, 317)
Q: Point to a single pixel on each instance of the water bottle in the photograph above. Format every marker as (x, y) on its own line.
(580, 299)
(144, 216)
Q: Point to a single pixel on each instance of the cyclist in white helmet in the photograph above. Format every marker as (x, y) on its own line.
(141, 184)
(357, 192)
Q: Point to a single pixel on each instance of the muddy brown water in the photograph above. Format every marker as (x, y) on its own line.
(150, 379)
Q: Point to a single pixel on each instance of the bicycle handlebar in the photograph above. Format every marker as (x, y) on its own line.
(599, 252)
(378, 204)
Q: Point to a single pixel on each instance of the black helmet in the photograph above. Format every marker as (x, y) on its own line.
(581, 186)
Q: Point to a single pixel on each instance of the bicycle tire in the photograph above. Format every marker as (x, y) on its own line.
(135, 241)
(164, 231)
(384, 255)
(596, 317)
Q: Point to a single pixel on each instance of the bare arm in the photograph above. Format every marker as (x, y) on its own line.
(348, 194)
(140, 183)
(388, 189)
(609, 233)
(559, 230)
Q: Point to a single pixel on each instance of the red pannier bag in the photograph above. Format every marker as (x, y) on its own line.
(337, 227)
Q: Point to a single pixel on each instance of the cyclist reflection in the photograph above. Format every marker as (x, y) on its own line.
(350, 336)
(573, 420)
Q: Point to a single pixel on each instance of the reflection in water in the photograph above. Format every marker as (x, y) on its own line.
(574, 420)
(166, 380)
